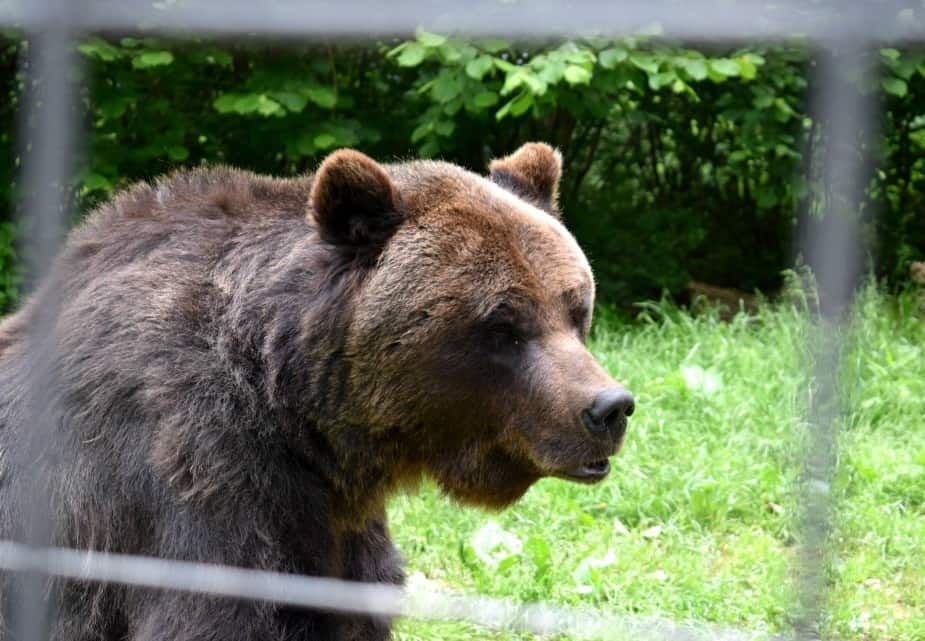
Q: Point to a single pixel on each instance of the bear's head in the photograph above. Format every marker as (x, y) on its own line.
(467, 336)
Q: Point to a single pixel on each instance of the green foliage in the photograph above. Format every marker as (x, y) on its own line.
(680, 163)
(698, 519)
(898, 194)
(9, 267)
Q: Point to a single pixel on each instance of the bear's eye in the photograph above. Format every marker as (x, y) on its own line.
(501, 329)
(505, 334)
(580, 319)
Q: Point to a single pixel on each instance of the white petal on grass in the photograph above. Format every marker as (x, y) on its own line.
(701, 381)
(584, 573)
(493, 544)
(619, 528)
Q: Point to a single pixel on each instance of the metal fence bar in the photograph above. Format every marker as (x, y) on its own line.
(355, 598)
(713, 20)
(48, 135)
(833, 252)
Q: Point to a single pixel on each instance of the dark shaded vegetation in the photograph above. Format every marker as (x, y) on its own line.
(681, 164)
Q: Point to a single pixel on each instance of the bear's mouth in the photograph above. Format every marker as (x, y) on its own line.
(588, 472)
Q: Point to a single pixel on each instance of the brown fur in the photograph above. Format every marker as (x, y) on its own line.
(248, 367)
(533, 172)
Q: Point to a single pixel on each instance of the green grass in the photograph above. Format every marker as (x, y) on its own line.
(697, 521)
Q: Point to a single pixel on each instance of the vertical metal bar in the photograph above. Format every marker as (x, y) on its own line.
(832, 249)
(48, 135)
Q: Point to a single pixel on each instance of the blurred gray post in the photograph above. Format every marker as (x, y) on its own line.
(48, 133)
(832, 248)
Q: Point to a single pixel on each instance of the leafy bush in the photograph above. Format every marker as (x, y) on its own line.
(680, 163)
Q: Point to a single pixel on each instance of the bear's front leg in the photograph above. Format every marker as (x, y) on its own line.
(198, 617)
(369, 556)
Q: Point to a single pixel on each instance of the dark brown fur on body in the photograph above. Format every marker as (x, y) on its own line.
(246, 367)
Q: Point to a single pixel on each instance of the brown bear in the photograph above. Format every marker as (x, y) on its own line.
(246, 367)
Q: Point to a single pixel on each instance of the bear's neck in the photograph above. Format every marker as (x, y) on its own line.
(303, 314)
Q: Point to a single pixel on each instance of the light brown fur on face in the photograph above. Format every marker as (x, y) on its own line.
(489, 420)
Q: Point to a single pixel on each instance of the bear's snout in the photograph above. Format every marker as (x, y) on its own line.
(608, 412)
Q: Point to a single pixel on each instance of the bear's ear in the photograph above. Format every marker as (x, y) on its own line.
(532, 172)
(354, 201)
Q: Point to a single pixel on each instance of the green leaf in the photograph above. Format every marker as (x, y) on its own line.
(895, 86)
(504, 65)
(452, 107)
(412, 55)
(430, 40)
(725, 67)
(521, 104)
(485, 99)
(247, 103)
(113, 107)
(100, 49)
(96, 182)
(324, 141)
(610, 58)
(746, 68)
(445, 128)
(538, 552)
(763, 101)
(574, 75)
(220, 57)
(451, 53)
(695, 68)
(493, 45)
(890, 54)
(266, 106)
(346, 134)
(305, 144)
(766, 197)
(324, 97)
(446, 87)
(478, 67)
(177, 153)
(662, 79)
(422, 131)
(647, 63)
(551, 73)
(291, 100)
(513, 80)
(429, 149)
(536, 84)
(738, 157)
(151, 59)
(579, 56)
(226, 103)
(783, 110)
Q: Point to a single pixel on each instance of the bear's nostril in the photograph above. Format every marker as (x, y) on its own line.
(609, 410)
(592, 424)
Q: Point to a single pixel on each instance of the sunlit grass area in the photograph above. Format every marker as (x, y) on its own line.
(698, 519)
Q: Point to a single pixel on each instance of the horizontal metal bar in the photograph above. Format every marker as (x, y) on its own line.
(352, 597)
(711, 20)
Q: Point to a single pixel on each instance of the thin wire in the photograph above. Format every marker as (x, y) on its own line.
(354, 598)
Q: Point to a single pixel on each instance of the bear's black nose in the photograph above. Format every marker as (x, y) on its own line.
(608, 412)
